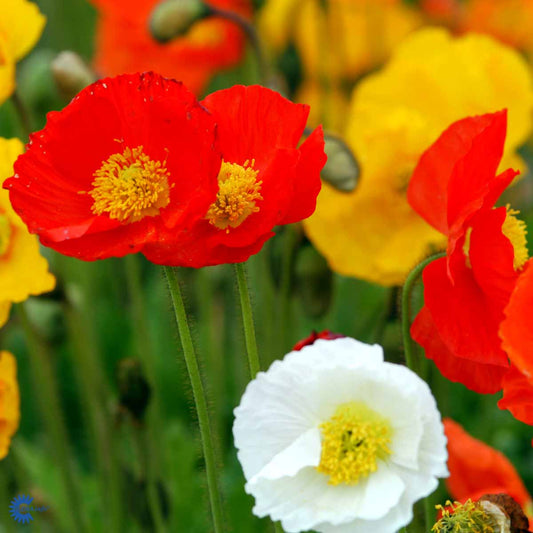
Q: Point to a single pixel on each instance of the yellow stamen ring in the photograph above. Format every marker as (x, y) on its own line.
(130, 186)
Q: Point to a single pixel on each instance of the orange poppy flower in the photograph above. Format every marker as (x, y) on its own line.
(265, 179)
(454, 188)
(124, 43)
(127, 157)
(477, 469)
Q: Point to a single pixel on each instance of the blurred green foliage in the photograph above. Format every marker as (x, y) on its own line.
(102, 327)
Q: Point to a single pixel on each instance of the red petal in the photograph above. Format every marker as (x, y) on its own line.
(492, 255)
(516, 330)
(518, 395)
(477, 469)
(466, 319)
(479, 377)
(307, 181)
(452, 176)
(253, 122)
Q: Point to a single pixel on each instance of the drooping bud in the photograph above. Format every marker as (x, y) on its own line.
(174, 18)
(134, 390)
(71, 74)
(341, 169)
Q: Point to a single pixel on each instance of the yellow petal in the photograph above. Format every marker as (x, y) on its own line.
(432, 81)
(23, 271)
(7, 72)
(9, 401)
(21, 25)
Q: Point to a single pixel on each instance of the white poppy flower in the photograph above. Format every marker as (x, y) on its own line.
(334, 439)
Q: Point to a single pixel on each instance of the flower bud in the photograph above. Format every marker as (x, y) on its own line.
(71, 74)
(342, 169)
(174, 18)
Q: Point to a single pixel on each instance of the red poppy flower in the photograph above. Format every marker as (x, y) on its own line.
(454, 188)
(265, 180)
(325, 335)
(128, 157)
(477, 469)
(516, 332)
(124, 43)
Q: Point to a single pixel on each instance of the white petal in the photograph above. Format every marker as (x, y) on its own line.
(304, 451)
(304, 500)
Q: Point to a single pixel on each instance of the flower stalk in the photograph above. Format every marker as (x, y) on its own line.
(247, 319)
(199, 397)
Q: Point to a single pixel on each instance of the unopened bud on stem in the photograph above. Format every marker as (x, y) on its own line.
(71, 74)
(174, 18)
(341, 170)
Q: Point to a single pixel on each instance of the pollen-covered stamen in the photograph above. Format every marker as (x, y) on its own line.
(469, 517)
(130, 186)
(515, 230)
(353, 440)
(5, 234)
(238, 192)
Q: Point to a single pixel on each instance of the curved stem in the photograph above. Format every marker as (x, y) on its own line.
(199, 397)
(407, 290)
(248, 320)
(251, 34)
(406, 298)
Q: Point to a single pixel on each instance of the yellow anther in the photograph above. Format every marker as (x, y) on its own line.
(515, 230)
(353, 440)
(238, 192)
(130, 186)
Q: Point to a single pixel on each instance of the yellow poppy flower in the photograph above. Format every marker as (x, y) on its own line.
(431, 81)
(21, 25)
(337, 41)
(23, 271)
(9, 401)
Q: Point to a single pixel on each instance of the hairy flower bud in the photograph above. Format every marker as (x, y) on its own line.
(341, 170)
(174, 18)
(71, 74)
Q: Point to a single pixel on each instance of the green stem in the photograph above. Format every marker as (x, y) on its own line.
(45, 381)
(247, 319)
(406, 297)
(199, 397)
(278, 528)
